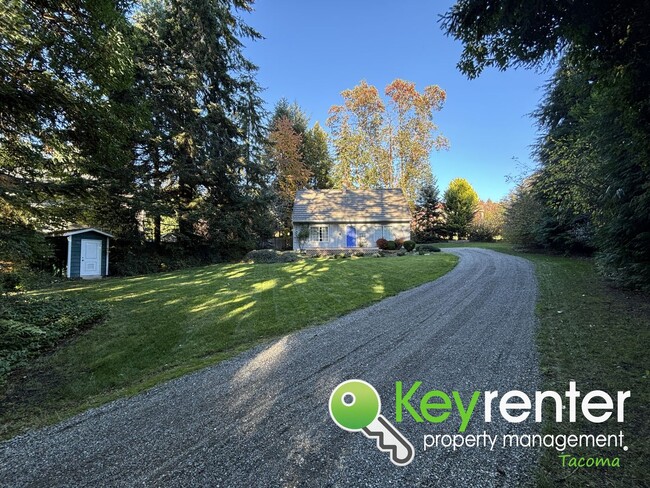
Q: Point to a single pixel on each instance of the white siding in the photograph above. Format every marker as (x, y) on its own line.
(367, 233)
(337, 236)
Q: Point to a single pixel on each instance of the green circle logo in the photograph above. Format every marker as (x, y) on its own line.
(354, 404)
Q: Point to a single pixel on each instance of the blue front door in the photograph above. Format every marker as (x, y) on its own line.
(351, 236)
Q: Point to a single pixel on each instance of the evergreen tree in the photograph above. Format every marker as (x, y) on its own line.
(460, 205)
(66, 117)
(313, 147)
(292, 111)
(317, 157)
(206, 122)
(428, 218)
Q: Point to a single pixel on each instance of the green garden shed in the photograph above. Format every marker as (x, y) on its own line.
(87, 253)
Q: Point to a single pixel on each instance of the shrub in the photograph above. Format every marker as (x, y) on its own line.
(25, 278)
(409, 245)
(303, 236)
(401, 252)
(128, 259)
(9, 281)
(524, 216)
(482, 232)
(359, 254)
(530, 224)
(382, 243)
(391, 246)
(30, 325)
(289, 257)
(399, 243)
(423, 248)
(268, 256)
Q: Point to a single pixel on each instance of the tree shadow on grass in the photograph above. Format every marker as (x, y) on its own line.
(162, 324)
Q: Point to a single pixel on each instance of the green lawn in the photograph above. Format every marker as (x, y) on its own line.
(599, 337)
(162, 326)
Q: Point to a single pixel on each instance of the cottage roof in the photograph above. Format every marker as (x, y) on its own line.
(386, 205)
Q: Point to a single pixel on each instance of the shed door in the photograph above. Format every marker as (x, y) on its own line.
(351, 236)
(91, 253)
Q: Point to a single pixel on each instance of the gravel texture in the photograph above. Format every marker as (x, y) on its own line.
(261, 419)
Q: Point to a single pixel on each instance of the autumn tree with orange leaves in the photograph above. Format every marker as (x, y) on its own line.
(291, 172)
(386, 145)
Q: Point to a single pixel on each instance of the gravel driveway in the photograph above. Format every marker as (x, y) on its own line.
(261, 419)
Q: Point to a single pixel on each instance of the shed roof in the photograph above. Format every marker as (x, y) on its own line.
(385, 205)
(86, 229)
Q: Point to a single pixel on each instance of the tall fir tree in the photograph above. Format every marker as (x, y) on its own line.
(317, 157)
(428, 223)
(206, 123)
(67, 118)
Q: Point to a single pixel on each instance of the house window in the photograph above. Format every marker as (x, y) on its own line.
(319, 233)
(362, 239)
(387, 232)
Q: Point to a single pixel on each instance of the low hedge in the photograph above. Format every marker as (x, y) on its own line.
(423, 248)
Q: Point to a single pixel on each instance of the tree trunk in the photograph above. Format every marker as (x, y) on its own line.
(156, 230)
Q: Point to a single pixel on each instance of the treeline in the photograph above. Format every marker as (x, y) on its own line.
(459, 214)
(142, 118)
(591, 191)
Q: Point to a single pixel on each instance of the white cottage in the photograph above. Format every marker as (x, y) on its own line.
(350, 219)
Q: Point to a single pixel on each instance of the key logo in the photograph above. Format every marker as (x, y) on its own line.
(355, 406)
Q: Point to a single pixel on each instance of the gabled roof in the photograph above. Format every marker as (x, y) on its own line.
(87, 229)
(388, 205)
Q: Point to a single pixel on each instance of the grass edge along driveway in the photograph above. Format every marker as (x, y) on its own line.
(600, 337)
(165, 325)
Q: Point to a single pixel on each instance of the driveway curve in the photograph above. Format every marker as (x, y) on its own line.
(261, 419)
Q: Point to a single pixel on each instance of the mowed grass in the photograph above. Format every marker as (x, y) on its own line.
(165, 325)
(599, 337)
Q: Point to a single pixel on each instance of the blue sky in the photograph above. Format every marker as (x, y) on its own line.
(313, 50)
